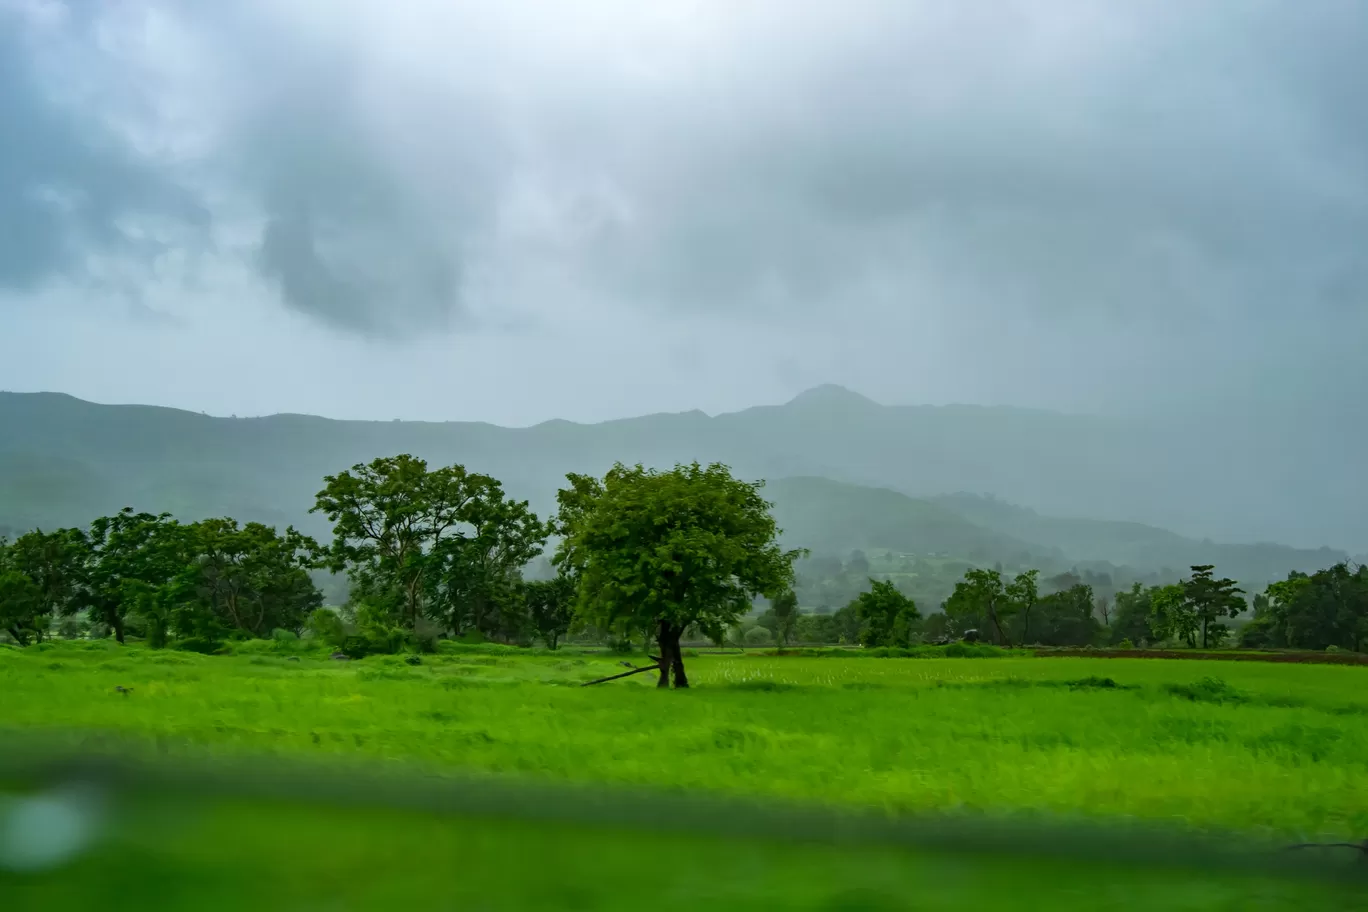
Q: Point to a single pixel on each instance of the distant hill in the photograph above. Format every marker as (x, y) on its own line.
(831, 517)
(1135, 544)
(64, 461)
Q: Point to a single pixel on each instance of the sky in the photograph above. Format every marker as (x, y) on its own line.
(513, 210)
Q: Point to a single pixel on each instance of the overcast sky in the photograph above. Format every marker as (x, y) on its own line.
(510, 211)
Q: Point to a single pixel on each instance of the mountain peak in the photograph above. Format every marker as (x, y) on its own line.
(831, 395)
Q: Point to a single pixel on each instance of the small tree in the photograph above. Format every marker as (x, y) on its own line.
(1172, 614)
(1211, 599)
(550, 605)
(1022, 594)
(982, 597)
(785, 608)
(886, 615)
(661, 551)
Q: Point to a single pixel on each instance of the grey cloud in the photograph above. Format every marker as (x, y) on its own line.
(1148, 194)
(68, 188)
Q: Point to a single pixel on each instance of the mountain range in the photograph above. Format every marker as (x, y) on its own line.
(844, 472)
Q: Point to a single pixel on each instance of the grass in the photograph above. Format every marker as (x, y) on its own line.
(235, 854)
(1245, 746)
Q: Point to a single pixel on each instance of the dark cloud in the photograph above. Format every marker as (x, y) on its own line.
(68, 188)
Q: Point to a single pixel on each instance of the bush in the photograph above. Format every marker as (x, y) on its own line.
(1207, 690)
(413, 660)
(424, 643)
(281, 635)
(201, 645)
(1125, 644)
(357, 646)
(325, 626)
(759, 636)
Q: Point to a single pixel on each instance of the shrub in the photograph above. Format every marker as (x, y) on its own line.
(1125, 644)
(201, 645)
(358, 647)
(424, 643)
(759, 636)
(325, 626)
(413, 660)
(1207, 690)
(280, 635)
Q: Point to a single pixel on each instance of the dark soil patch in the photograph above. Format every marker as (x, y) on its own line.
(1304, 658)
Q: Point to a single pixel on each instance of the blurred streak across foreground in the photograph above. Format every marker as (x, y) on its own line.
(122, 829)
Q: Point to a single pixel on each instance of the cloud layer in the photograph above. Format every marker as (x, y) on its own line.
(521, 209)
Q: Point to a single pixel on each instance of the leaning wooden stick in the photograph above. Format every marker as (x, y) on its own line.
(625, 674)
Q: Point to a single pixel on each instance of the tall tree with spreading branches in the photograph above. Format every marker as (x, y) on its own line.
(657, 552)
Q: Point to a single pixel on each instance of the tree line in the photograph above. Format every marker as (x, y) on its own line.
(1327, 609)
(666, 556)
(428, 551)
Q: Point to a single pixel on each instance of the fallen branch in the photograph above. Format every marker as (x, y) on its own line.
(627, 674)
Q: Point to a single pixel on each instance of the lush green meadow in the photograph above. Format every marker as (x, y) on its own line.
(1246, 746)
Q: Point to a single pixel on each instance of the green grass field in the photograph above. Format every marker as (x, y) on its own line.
(1281, 749)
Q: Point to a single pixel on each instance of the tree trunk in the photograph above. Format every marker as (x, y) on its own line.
(18, 635)
(671, 656)
(681, 680)
(663, 640)
(118, 629)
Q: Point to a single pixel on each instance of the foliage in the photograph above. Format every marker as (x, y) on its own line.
(550, 607)
(1132, 616)
(250, 579)
(657, 552)
(326, 627)
(983, 599)
(1022, 594)
(887, 617)
(419, 541)
(20, 607)
(1191, 608)
(758, 636)
(134, 558)
(1317, 611)
(1066, 618)
(785, 609)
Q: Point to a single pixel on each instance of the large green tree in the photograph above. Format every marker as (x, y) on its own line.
(984, 597)
(134, 556)
(249, 578)
(550, 607)
(657, 552)
(392, 523)
(1313, 611)
(56, 563)
(1211, 599)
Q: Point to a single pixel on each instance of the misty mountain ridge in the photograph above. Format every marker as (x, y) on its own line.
(64, 460)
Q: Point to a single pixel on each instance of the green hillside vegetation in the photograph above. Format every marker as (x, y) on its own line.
(64, 461)
(1135, 544)
(831, 517)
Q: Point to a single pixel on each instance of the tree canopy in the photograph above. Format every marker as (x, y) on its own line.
(658, 552)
